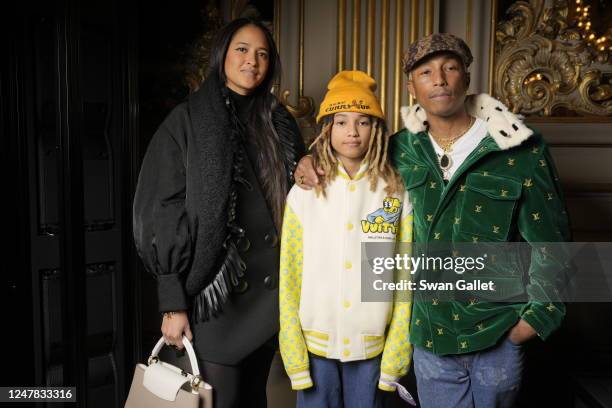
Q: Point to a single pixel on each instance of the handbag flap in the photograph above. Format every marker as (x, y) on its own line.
(164, 380)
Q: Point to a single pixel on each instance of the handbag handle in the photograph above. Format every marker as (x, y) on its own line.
(190, 352)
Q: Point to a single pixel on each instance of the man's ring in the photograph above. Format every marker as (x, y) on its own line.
(301, 180)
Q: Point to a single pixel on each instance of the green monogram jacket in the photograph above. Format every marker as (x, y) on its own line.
(507, 190)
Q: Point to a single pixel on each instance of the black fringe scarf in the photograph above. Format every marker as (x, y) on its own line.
(209, 301)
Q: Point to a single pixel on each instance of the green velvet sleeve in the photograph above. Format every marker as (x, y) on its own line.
(543, 220)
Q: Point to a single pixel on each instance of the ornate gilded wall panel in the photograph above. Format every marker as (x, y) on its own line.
(548, 64)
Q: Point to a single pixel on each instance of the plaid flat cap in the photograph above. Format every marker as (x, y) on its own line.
(438, 42)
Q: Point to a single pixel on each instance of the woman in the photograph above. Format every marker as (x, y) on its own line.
(208, 209)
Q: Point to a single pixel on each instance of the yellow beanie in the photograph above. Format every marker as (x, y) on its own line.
(351, 91)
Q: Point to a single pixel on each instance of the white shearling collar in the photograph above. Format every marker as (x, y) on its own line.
(505, 127)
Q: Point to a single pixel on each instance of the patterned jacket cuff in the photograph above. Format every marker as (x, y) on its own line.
(543, 319)
(386, 380)
(301, 380)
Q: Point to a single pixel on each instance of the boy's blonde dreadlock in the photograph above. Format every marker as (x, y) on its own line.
(376, 156)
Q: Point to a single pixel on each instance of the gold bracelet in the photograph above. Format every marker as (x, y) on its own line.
(169, 314)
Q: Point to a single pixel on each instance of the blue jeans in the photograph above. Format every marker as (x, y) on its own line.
(485, 379)
(336, 385)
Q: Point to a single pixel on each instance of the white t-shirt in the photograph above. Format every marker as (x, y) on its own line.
(463, 147)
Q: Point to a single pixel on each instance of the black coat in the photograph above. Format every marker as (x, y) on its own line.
(180, 223)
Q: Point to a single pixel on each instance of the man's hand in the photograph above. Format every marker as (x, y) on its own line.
(174, 325)
(305, 175)
(521, 332)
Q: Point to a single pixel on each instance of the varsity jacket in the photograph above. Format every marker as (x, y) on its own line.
(507, 190)
(320, 278)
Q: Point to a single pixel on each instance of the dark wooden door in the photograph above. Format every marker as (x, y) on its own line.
(68, 122)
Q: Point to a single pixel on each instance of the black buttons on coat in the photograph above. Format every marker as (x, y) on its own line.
(243, 244)
(241, 287)
(270, 282)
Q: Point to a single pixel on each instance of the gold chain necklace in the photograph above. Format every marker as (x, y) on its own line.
(445, 160)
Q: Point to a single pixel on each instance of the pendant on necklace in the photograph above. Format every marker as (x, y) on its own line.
(445, 162)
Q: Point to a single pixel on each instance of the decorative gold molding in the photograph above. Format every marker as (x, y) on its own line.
(277, 23)
(301, 47)
(543, 67)
(414, 31)
(304, 108)
(355, 36)
(429, 16)
(414, 20)
(305, 105)
(384, 50)
(277, 39)
(341, 34)
(399, 45)
(492, 25)
(371, 17)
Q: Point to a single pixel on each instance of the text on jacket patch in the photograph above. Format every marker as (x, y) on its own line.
(385, 219)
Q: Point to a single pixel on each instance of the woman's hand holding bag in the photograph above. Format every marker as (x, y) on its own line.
(174, 326)
(162, 385)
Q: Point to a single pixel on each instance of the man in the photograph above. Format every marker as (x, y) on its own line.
(475, 173)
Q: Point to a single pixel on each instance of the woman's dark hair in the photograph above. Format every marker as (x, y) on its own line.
(260, 127)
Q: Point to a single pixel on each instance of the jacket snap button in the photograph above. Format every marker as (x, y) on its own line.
(271, 239)
(270, 282)
(243, 244)
(241, 287)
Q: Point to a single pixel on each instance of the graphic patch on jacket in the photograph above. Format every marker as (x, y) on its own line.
(385, 219)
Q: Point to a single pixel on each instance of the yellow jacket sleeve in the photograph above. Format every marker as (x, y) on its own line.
(291, 340)
(397, 353)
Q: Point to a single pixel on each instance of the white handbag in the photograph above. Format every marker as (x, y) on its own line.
(162, 385)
